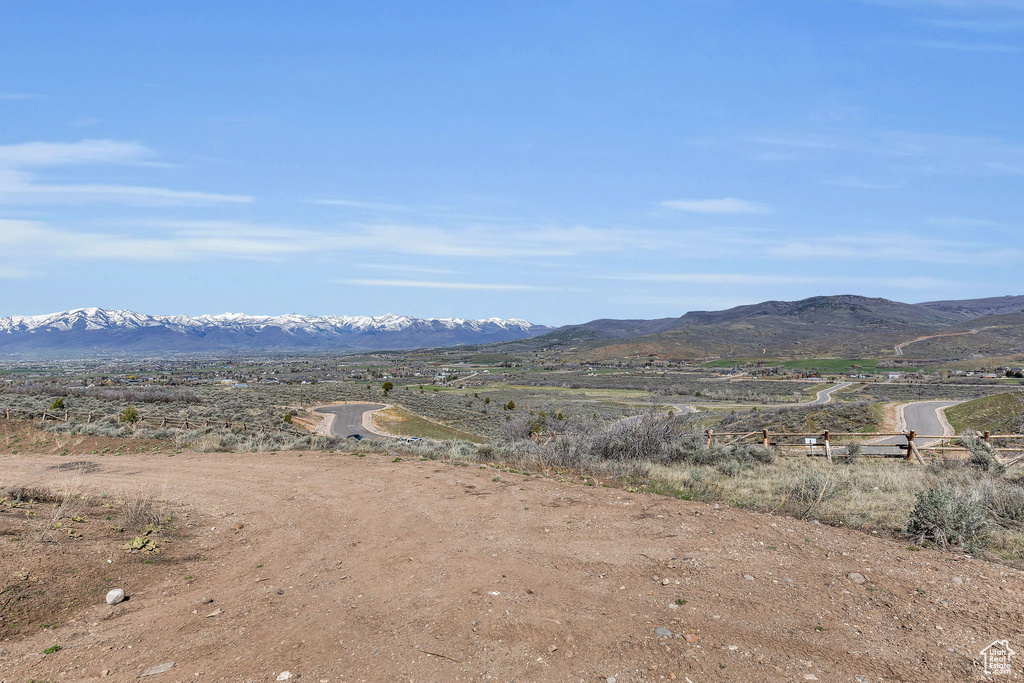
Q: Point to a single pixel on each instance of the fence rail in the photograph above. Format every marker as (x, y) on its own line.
(157, 421)
(823, 443)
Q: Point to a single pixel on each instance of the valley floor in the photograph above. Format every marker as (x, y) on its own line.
(345, 568)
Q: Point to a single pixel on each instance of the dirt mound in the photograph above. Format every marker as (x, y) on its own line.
(344, 568)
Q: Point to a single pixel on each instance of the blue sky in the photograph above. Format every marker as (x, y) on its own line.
(557, 162)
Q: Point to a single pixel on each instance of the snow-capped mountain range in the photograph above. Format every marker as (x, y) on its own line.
(97, 330)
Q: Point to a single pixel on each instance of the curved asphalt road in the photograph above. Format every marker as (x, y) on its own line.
(824, 396)
(348, 418)
(921, 417)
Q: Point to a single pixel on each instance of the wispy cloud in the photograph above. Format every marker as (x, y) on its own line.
(969, 5)
(901, 154)
(17, 187)
(716, 206)
(996, 25)
(34, 242)
(427, 284)
(710, 278)
(13, 273)
(682, 303)
(356, 204)
(894, 247)
(402, 268)
(864, 184)
(34, 154)
(486, 241)
(959, 222)
(20, 186)
(753, 280)
(198, 240)
(19, 96)
(967, 47)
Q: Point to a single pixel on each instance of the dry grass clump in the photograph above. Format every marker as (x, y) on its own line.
(139, 509)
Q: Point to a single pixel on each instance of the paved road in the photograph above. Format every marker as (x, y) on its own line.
(348, 418)
(824, 396)
(921, 417)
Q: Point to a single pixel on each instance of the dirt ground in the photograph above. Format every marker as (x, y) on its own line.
(345, 568)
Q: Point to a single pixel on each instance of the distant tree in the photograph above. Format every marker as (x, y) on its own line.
(130, 415)
(58, 404)
(288, 418)
(387, 387)
(510, 405)
(487, 400)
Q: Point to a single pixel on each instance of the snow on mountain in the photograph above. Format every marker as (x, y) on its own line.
(107, 330)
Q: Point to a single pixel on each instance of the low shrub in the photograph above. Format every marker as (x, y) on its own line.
(813, 488)
(949, 516)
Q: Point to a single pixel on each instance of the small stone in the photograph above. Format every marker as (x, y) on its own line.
(787, 580)
(115, 596)
(748, 577)
(207, 601)
(158, 669)
(662, 632)
(551, 648)
(611, 679)
(810, 677)
(285, 676)
(215, 613)
(665, 582)
(691, 637)
(957, 580)
(856, 577)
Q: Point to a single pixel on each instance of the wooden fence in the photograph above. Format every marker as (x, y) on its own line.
(1007, 449)
(155, 421)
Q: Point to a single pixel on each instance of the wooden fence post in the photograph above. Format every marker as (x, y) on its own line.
(828, 446)
(764, 438)
(711, 437)
(912, 452)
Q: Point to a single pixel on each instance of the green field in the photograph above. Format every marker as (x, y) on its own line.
(403, 423)
(997, 413)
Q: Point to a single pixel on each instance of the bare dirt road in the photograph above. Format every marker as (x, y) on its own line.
(341, 568)
(899, 347)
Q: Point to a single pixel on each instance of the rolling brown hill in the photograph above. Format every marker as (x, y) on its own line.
(843, 325)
